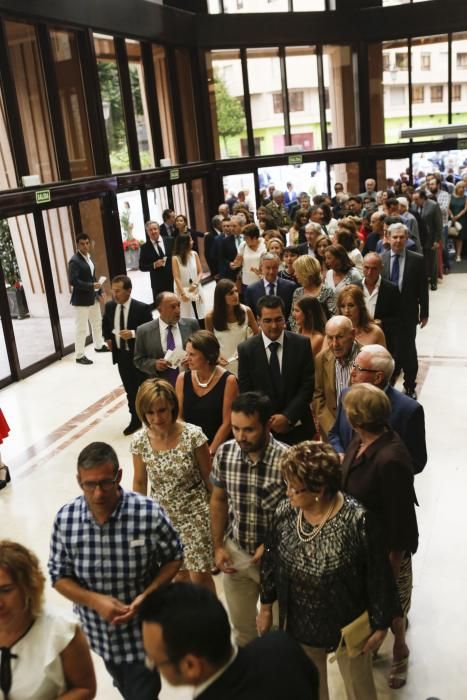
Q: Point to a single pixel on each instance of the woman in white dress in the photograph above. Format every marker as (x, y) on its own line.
(231, 323)
(44, 654)
(249, 255)
(187, 274)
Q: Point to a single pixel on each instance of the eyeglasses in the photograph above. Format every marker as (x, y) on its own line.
(104, 485)
(363, 369)
(294, 492)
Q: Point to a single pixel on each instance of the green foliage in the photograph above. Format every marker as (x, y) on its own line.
(8, 255)
(110, 92)
(230, 115)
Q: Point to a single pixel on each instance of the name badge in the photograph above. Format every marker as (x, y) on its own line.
(137, 543)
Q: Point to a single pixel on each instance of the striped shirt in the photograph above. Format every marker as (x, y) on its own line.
(344, 368)
(253, 490)
(119, 558)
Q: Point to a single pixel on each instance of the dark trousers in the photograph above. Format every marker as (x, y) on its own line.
(406, 356)
(431, 264)
(131, 378)
(135, 681)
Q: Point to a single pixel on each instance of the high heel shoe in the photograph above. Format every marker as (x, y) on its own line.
(5, 472)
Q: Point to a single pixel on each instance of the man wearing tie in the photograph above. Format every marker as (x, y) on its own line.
(122, 316)
(270, 285)
(279, 363)
(155, 257)
(406, 269)
(228, 249)
(168, 332)
(168, 228)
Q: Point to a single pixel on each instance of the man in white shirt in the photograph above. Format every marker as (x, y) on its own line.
(382, 298)
(84, 297)
(168, 332)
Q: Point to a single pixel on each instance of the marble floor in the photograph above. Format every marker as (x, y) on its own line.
(56, 412)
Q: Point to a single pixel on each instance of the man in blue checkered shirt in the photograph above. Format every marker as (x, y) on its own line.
(109, 550)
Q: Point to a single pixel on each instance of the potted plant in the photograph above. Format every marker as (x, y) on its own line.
(14, 287)
(131, 248)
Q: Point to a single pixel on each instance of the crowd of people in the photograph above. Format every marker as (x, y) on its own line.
(270, 445)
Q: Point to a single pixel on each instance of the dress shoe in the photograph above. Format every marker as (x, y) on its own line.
(433, 287)
(104, 348)
(84, 360)
(411, 393)
(132, 427)
(5, 477)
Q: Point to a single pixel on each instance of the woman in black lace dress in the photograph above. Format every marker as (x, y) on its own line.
(325, 564)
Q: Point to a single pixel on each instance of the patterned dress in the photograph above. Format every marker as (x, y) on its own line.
(177, 485)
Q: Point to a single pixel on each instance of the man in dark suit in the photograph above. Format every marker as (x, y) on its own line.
(312, 231)
(122, 316)
(375, 365)
(228, 248)
(406, 269)
(156, 338)
(279, 364)
(168, 228)
(432, 218)
(270, 284)
(186, 634)
(84, 297)
(155, 257)
(210, 244)
(382, 298)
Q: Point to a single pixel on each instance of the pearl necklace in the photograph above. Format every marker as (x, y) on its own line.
(309, 536)
(203, 385)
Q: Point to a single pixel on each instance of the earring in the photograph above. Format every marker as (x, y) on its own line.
(316, 499)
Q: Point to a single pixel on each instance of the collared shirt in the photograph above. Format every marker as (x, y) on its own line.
(344, 368)
(401, 267)
(266, 286)
(268, 342)
(204, 686)
(175, 332)
(253, 490)
(311, 251)
(126, 309)
(444, 198)
(371, 298)
(119, 558)
(159, 243)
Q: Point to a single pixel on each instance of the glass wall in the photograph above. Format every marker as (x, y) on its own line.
(459, 78)
(226, 90)
(308, 177)
(267, 108)
(430, 78)
(7, 166)
(388, 64)
(72, 102)
(112, 104)
(140, 106)
(164, 103)
(241, 182)
(302, 84)
(158, 200)
(346, 173)
(32, 101)
(185, 85)
(339, 80)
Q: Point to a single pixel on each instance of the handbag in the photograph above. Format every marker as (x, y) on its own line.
(354, 636)
(454, 228)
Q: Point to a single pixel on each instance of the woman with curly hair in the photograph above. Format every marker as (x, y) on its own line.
(351, 303)
(308, 272)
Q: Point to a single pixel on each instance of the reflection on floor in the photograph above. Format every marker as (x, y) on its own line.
(56, 412)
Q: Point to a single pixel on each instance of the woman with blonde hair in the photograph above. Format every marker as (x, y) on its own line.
(308, 273)
(43, 654)
(173, 456)
(351, 303)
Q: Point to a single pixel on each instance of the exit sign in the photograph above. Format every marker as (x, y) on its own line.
(43, 196)
(295, 160)
(174, 174)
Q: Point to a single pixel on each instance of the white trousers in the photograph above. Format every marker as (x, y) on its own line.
(83, 315)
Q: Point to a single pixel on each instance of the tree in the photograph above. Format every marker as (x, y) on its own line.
(230, 115)
(8, 256)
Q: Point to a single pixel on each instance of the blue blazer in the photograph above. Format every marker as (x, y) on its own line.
(407, 419)
(255, 291)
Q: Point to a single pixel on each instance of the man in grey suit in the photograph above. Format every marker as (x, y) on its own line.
(432, 218)
(168, 332)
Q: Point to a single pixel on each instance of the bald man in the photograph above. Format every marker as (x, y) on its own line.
(333, 367)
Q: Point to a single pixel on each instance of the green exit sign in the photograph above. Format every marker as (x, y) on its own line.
(462, 144)
(174, 174)
(295, 160)
(43, 196)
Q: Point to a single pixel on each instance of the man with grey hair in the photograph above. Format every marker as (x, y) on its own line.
(410, 221)
(155, 257)
(312, 232)
(277, 209)
(270, 284)
(332, 370)
(110, 549)
(382, 298)
(370, 189)
(375, 365)
(407, 269)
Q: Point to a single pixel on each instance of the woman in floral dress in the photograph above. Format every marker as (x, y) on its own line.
(174, 457)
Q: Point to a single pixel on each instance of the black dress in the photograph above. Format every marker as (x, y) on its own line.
(204, 411)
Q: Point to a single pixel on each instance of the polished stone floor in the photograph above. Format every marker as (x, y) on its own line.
(55, 413)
